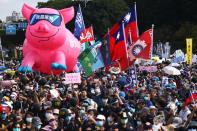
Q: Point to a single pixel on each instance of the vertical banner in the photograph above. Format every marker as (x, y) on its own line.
(189, 51)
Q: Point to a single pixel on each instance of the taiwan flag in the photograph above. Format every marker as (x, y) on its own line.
(142, 47)
(130, 25)
(118, 49)
(191, 98)
(118, 34)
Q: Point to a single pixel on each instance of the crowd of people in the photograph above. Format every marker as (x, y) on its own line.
(35, 101)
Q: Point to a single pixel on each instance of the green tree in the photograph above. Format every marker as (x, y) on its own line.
(102, 14)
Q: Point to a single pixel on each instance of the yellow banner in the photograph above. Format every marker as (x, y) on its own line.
(189, 51)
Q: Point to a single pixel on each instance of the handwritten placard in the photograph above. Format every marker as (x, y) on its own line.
(148, 68)
(72, 78)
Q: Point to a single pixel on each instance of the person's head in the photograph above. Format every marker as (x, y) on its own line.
(83, 94)
(48, 113)
(91, 110)
(69, 116)
(153, 110)
(100, 120)
(53, 123)
(29, 117)
(140, 103)
(36, 122)
(56, 113)
(47, 105)
(16, 127)
(111, 118)
(124, 118)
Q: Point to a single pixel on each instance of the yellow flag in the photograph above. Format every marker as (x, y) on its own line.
(189, 51)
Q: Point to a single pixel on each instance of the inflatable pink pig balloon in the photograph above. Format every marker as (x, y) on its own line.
(49, 46)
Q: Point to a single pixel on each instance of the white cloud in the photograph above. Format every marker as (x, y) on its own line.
(7, 6)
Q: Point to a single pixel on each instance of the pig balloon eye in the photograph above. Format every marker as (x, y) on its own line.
(54, 19)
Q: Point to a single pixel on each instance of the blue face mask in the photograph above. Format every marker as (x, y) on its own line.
(16, 129)
(38, 127)
(109, 119)
(99, 123)
(68, 118)
(146, 98)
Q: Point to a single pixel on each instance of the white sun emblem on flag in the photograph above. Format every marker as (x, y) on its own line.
(138, 48)
(118, 36)
(127, 17)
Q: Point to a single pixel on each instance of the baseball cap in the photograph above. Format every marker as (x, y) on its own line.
(36, 121)
(100, 117)
(56, 111)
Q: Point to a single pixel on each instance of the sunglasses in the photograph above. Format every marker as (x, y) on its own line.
(54, 19)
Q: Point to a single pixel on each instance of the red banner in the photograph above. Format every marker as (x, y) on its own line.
(87, 35)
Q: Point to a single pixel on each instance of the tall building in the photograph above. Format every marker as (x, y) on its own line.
(15, 17)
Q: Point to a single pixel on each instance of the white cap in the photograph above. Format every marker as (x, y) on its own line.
(56, 111)
(100, 117)
(152, 107)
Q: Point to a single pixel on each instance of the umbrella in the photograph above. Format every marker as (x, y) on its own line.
(174, 64)
(171, 70)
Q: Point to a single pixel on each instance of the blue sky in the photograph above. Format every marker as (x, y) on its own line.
(7, 6)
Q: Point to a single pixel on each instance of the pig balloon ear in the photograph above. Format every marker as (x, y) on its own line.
(27, 10)
(67, 14)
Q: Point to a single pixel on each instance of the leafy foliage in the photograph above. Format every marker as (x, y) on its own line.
(174, 20)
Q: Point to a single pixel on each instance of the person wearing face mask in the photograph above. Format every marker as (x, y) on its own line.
(70, 122)
(85, 100)
(47, 114)
(28, 120)
(111, 121)
(97, 96)
(124, 124)
(16, 127)
(36, 123)
(52, 124)
(100, 123)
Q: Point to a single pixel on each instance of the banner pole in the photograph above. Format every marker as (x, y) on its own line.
(152, 41)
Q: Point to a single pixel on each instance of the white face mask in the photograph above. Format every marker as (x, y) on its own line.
(29, 119)
(109, 119)
(38, 127)
(124, 121)
(47, 115)
(105, 101)
(139, 123)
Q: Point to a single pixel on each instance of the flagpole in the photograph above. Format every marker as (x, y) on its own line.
(92, 32)
(152, 41)
(2, 52)
(136, 18)
(125, 42)
(130, 36)
(192, 97)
